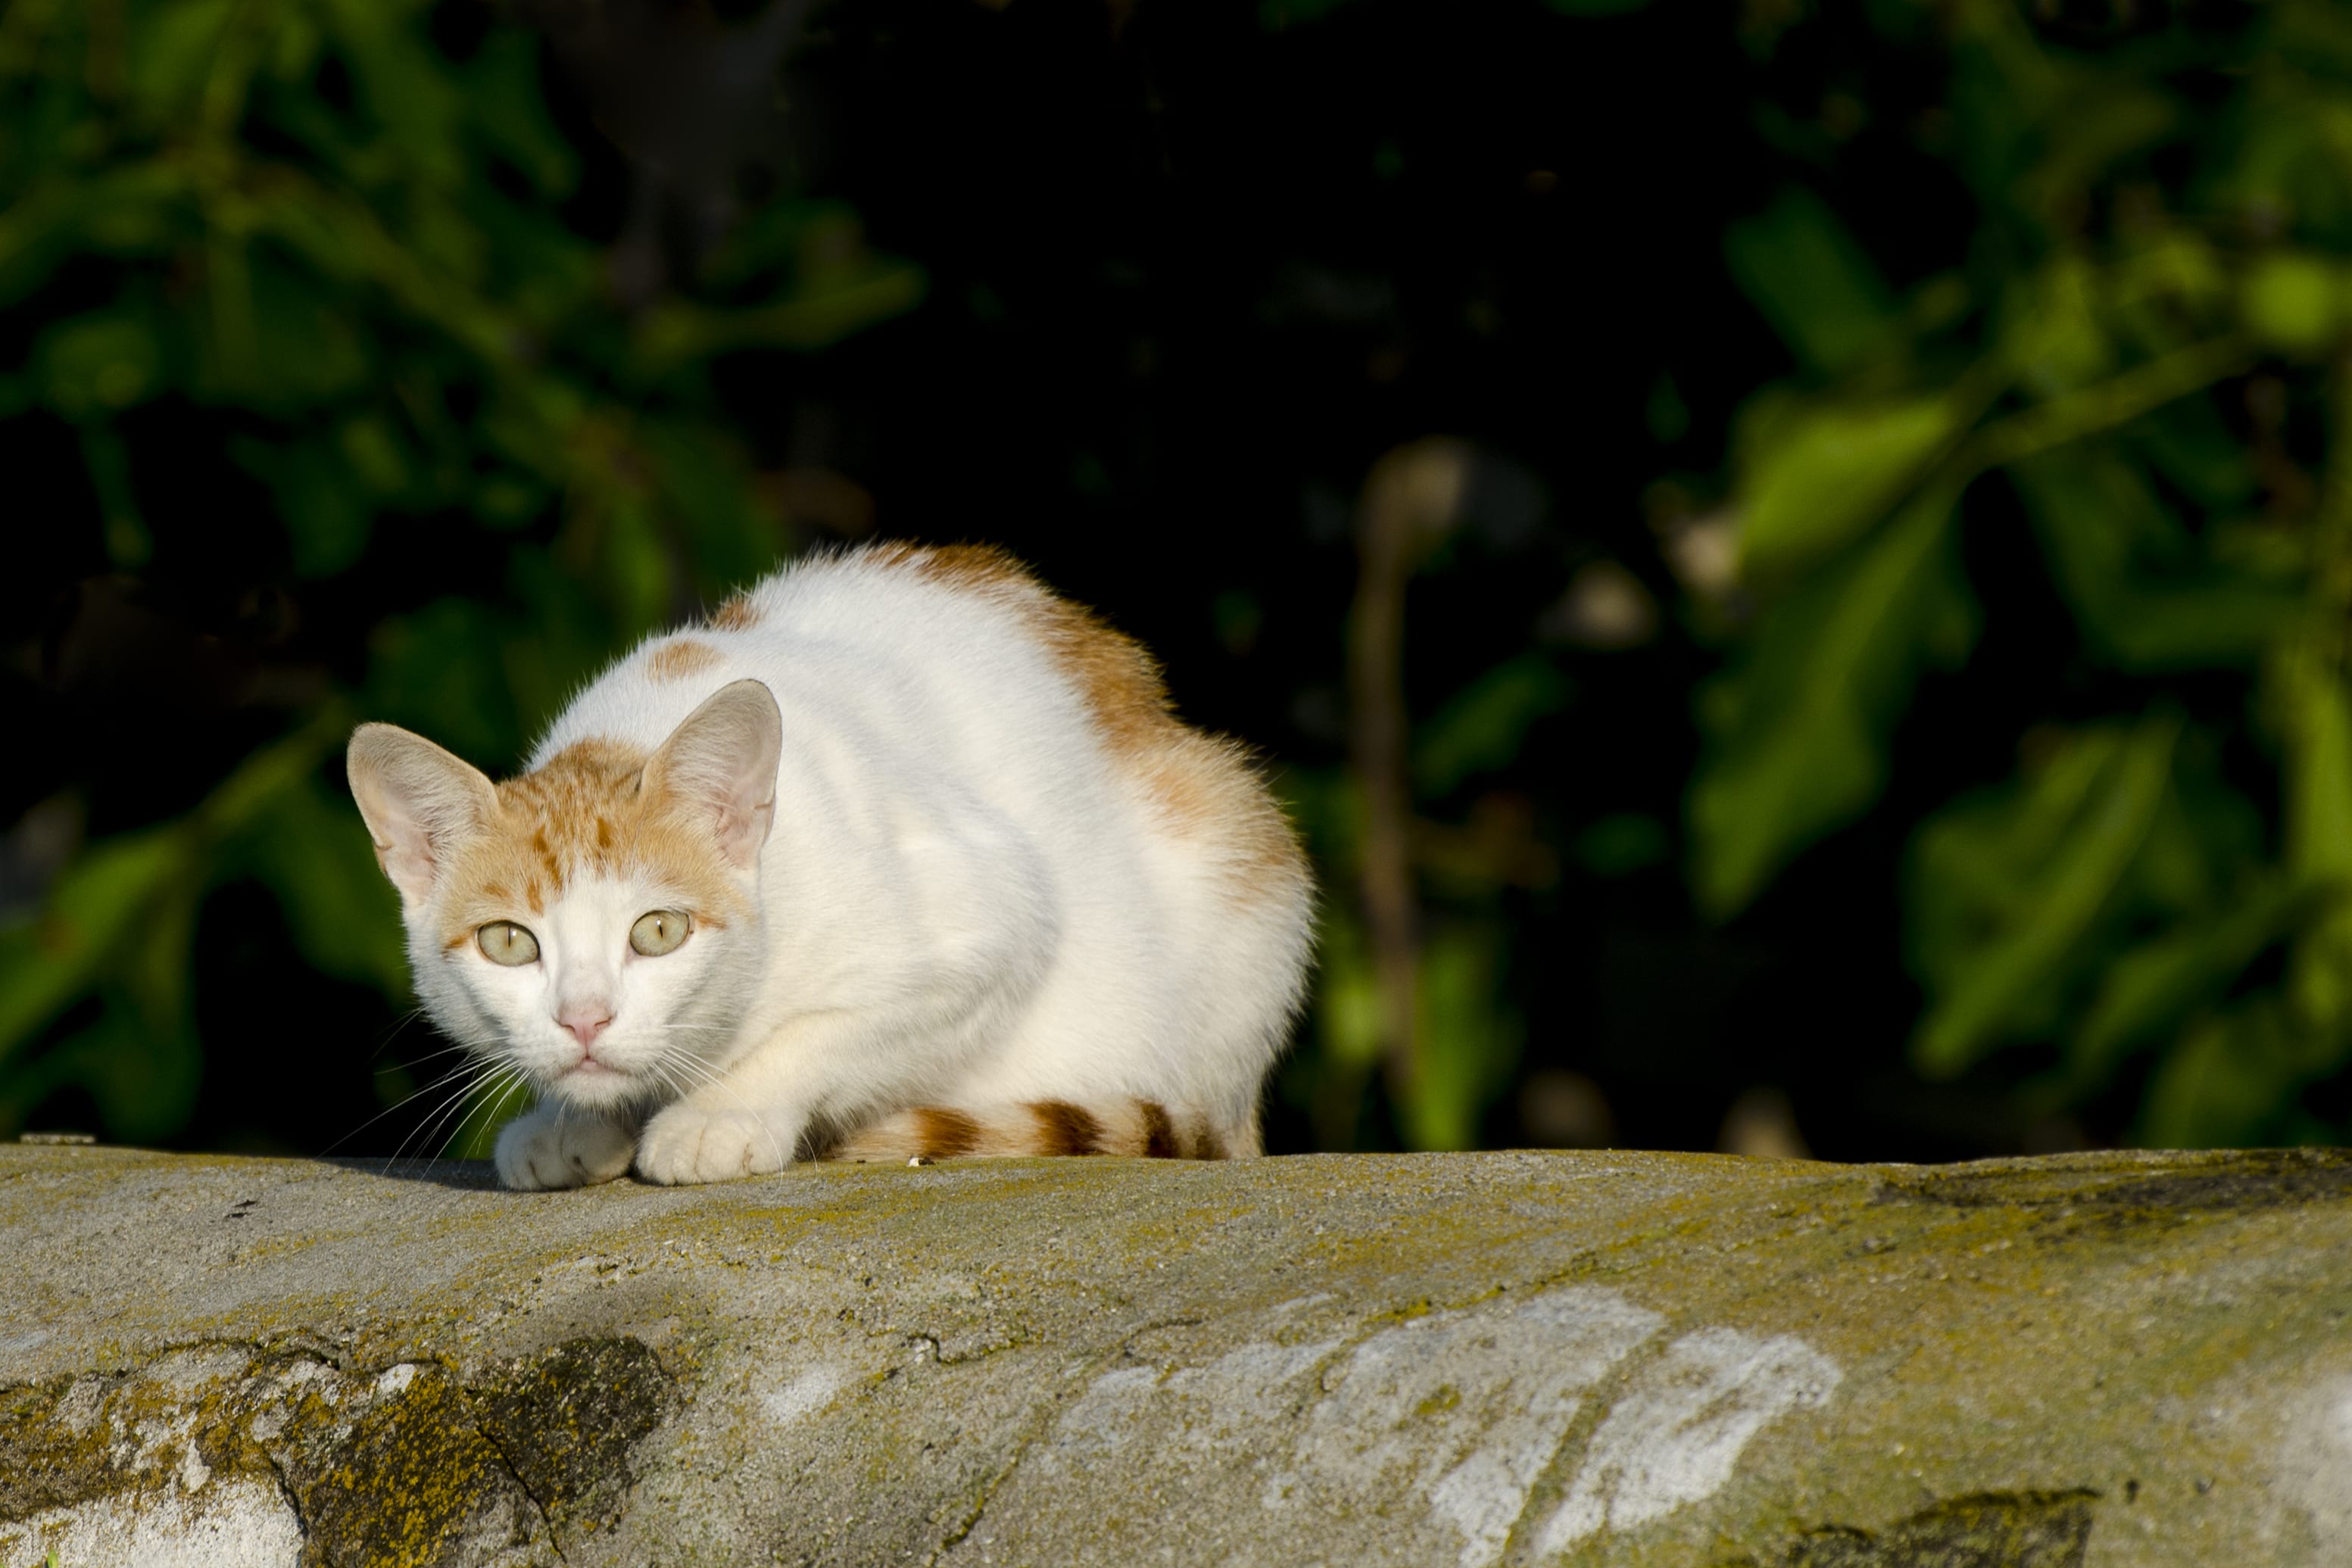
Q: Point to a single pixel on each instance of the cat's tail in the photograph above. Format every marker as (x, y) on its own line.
(1142, 1128)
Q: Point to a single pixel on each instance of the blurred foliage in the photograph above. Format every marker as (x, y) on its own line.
(1898, 567)
(2143, 346)
(304, 222)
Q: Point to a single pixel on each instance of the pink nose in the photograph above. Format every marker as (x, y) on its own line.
(585, 1023)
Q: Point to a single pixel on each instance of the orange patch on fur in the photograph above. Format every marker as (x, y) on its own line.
(585, 812)
(946, 1134)
(1159, 1133)
(675, 661)
(1067, 1129)
(1205, 785)
(737, 614)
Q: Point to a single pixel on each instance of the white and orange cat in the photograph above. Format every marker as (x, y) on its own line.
(898, 856)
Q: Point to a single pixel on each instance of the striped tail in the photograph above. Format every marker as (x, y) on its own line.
(1142, 1128)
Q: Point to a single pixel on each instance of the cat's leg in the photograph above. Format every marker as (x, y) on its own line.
(553, 1144)
(700, 1138)
(745, 1121)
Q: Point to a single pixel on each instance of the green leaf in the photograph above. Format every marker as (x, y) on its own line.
(2103, 118)
(1814, 477)
(173, 49)
(314, 853)
(1802, 269)
(94, 911)
(2051, 335)
(707, 484)
(2224, 1084)
(504, 99)
(2146, 598)
(2296, 301)
(1346, 992)
(1796, 733)
(2314, 711)
(2145, 994)
(323, 508)
(1483, 727)
(678, 330)
(1467, 1042)
(2007, 980)
(96, 365)
(442, 668)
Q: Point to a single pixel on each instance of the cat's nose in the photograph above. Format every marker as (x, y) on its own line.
(584, 1024)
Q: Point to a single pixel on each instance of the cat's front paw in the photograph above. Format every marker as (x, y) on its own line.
(686, 1144)
(546, 1148)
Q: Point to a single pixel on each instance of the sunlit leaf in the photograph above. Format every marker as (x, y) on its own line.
(1814, 476)
(2298, 301)
(1468, 1041)
(1797, 730)
(2008, 979)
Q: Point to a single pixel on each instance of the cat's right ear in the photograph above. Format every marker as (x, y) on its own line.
(420, 803)
(720, 763)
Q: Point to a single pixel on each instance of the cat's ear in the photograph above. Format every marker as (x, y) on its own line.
(720, 764)
(420, 803)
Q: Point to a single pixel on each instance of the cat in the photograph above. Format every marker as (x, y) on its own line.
(898, 856)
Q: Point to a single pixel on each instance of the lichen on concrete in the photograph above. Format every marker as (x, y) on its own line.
(1474, 1360)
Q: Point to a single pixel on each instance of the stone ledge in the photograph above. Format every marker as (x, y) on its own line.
(1476, 1359)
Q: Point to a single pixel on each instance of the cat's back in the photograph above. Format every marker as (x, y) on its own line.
(956, 658)
(944, 642)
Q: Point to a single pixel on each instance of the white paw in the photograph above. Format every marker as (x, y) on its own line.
(542, 1148)
(687, 1143)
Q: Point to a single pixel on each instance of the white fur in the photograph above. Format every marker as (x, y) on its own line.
(965, 901)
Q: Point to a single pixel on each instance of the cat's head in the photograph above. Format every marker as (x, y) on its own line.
(594, 924)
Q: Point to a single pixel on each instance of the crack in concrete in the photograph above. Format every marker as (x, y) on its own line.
(514, 1472)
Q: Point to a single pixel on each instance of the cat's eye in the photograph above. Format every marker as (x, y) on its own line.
(660, 932)
(504, 942)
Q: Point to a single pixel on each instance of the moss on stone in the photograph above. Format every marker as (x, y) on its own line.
(568, 1419)
(409, 1481)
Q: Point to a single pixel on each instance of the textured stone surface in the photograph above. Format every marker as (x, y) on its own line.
(1638, 1359)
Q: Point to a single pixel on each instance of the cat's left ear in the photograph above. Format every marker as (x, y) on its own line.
(722, 762)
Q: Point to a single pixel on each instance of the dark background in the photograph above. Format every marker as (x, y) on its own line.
(407, 366)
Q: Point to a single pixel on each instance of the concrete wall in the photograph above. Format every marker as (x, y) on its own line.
(1471, 1360)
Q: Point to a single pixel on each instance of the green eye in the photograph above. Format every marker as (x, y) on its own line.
(504, 942)
(660, 932)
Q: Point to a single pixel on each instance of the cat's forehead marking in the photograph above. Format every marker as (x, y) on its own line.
(677, 660)
(582, 812)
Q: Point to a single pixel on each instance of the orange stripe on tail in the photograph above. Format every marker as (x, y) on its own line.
(1142, 1129)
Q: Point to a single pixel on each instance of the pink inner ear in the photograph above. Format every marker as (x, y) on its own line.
(724, 756)
(417, 799)
(742, 832)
